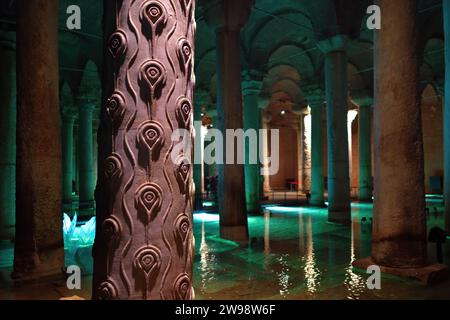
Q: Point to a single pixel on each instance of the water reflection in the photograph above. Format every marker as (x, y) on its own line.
(312, 272)
(355, 283)
(207, 259)
(267, 232)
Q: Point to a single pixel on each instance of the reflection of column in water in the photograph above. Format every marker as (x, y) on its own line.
(312, 273)
(301, 238)
(356, 238)
(354, 282)
(204, 251)
(266, 232)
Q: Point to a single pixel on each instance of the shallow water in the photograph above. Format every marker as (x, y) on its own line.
(294, 253)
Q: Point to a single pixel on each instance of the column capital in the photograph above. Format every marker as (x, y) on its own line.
(251, 87)
(363, 102)
(228, 14)
(333, 44)
(314, 96)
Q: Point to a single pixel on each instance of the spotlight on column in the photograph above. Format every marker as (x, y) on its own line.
(283, 112)
(438, 236)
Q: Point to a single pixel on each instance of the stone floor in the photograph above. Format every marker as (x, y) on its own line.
(294, 253)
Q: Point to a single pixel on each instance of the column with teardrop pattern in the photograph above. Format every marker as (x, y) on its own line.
(144, 246)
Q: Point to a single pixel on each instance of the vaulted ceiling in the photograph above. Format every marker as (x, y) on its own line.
(279, 41)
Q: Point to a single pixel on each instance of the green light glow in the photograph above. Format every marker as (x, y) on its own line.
(208, 204)
(206, 217)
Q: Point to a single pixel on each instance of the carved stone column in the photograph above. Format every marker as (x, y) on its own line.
(39, 248)
(336, 86)
(144, 248)
(228, 17)
(8, 134)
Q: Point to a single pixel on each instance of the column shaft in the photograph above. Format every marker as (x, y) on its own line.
(399, 231)
(86, 157)
(144, 250)
(231, 187)
(67, 155)
(39, 249)
(365, 154)
(317, 182)
(447, 115)
(252, 121)
(306, 152)
(337, 136)
(8, 134)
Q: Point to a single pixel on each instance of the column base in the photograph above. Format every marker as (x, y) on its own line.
(67, 206)
(37, 277)
(427, 275)
(340, 217)
(86, 205)
(320, 203)
(237, 234)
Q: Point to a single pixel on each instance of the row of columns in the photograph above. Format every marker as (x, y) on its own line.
(8, 134)
(85, 153)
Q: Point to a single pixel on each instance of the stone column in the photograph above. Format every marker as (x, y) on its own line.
(399, 231)
(365, 153)
(145, 190)
(447, 115)
(201, 98)
(86, 156)
(265, 151)
(228, 17)
(39, 248)
(67, 159)
(252, 121)
(317, 179)
(305, 135)
(336, 86)
(8, 134)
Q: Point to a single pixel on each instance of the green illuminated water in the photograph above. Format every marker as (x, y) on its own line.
(294, 253)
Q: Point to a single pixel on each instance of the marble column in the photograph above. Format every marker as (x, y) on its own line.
(67, 156)
(399, 230)
(86, 156)
(8, 134)
(446, 10)
(39, 247)
(365, 153)
(145, 190)
(336, 86)
(228, 17)
(252, 121)
(317, 162)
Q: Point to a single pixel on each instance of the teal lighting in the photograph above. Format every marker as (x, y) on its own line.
(208, 204)
(206, 217)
